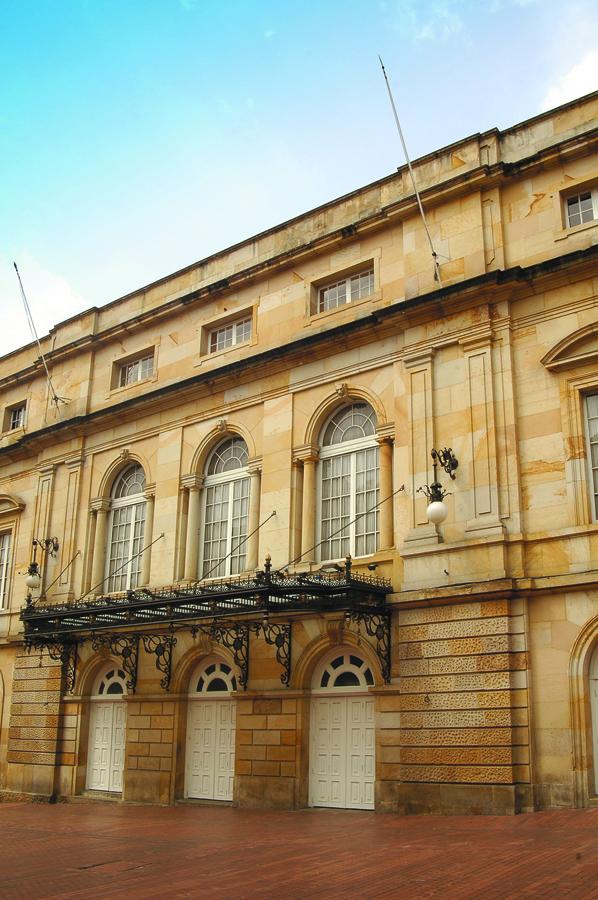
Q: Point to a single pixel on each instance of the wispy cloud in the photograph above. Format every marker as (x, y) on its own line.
(581, 79)
(51, 299)
(436, 21)
(269, 33)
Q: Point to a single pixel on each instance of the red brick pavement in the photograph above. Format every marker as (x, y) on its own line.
(106, 850)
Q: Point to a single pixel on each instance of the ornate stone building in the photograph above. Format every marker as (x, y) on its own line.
(236, 593)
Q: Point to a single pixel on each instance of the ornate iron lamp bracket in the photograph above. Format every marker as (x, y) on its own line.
(124, 646)
(377, 626)
(161, 645)
(279, 636)
(234, 637)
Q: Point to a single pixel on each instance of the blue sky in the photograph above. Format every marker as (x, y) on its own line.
(137, 136)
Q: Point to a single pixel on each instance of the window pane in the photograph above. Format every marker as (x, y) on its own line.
(4, 568)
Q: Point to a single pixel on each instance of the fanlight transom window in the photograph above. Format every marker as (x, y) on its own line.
(113, 682)
(127, 525)
(349, 476)
(226, 509)
(216, 677)
(344, 672)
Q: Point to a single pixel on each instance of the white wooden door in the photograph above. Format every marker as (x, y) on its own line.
(210, 758)
(342, 757)
(106, 757)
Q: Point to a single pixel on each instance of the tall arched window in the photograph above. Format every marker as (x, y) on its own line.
(349, 475)
(125, 533)
(226, 507)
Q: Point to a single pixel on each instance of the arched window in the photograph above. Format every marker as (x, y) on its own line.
(226, 507)
(111, 683)
(349, 474)
(125, 534)
(215, 677)
(344, 671)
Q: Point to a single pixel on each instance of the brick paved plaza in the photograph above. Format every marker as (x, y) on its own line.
(108, 850)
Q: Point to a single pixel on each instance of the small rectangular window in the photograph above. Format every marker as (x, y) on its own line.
(135, 370)
(591, 410)
(230, 334)
(581, 208)
(347, 290)
(4, 568)
(17, 417)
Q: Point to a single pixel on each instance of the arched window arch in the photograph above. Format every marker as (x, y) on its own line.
(213, 676)
(126, 529)
(226, 509)
(343, 671)
(111, 682)
(349, 483)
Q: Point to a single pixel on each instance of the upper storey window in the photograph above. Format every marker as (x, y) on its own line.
(591, 410)
(4, 568)
(349, 475)
(581, 208)
(230, 334)
(226, 509)
(127, 525)
(136, 370)
(16, 417)
(347, 290)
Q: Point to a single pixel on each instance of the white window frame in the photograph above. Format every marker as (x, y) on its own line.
(326, 304)
(16, 416)
(592, 491)
(230, 334)
(135, 370)
(132, 571)
(594, 197)
(5, 560)
(351, 449)
(233, 564)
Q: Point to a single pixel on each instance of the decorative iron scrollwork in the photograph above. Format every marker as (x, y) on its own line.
(124, 646)
(234, 636)
(161, 645)
(279, 636)
(377, 626)
(65, 653)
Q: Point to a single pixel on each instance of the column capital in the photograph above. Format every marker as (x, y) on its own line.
(192, 482)
(150, 492)
(100, 504)
(385, 434)
(254, 465)
(307, 453)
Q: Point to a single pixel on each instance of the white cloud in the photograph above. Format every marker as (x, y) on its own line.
(436, 21)
(269, 33)
(579, 80)
(51, 300)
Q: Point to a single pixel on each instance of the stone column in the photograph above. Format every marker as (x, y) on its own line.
(101, 507)
(385, 490)
(308, 505)
(193, 484)
(253, 518)
(146, 558)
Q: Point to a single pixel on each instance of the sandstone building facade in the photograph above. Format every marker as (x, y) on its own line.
(244, 600)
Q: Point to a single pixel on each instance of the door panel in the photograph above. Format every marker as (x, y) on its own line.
(342, 752)
(210, 764)
(106, 755)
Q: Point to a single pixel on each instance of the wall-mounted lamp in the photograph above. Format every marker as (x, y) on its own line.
(437, 511)
(48, 546)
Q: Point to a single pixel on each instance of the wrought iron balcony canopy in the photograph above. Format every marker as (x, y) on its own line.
(267, 592)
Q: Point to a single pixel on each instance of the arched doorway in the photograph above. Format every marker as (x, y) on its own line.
(107, 723)
(211, 724)
(342, 766)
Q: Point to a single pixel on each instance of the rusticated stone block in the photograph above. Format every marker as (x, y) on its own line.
(289, 706)
(286, 754)
(160, 750)
(266, 737)
(251, 752)
(161, 722)
(244, 736)
(288, 769)
(288, 737)
(150, 708)
(282, 722)
(265, 768)
(267, 706)
(454, 629)
(150, 764)
(243, 767)
(475, 718)
(259, 722)
(458, 756)
(463, 774)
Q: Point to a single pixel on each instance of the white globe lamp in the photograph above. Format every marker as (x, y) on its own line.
(436, 512)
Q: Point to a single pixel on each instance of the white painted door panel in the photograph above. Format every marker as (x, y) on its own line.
(106, 756)
(210, 762)
(342, 757)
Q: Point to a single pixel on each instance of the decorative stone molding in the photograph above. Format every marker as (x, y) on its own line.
(100, 504)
